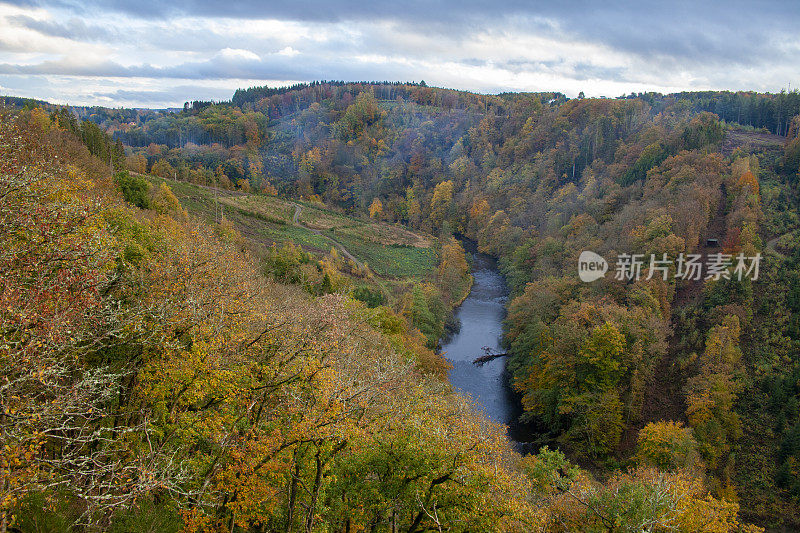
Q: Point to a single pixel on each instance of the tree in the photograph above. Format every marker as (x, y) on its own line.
(166, 203)
(56, 404)
(644, 499)
(600, 365)
(136, 163)
(423, 305)
(363, 113)
(453, 276)
(135, 189)
(596, 422)
(667, 445)
(441, 202)
(152, 378)
(162, 169)
(711, 394)
(376, 208)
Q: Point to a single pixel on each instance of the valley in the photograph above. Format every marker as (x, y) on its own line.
(271, 298)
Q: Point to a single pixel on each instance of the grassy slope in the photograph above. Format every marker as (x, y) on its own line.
(390, 251)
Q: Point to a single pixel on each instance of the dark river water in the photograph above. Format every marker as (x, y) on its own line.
(481, 318)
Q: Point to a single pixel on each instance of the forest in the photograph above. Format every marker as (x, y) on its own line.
(226, 317)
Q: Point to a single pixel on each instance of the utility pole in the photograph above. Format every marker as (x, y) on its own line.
(216, 202)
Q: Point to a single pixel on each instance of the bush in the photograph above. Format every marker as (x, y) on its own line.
(667, 445)
(38, 512)
(284, 263)
(135, 190)
(373, 298)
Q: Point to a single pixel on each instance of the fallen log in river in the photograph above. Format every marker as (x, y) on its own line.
(488, 357)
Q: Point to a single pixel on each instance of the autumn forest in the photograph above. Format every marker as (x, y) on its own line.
(229, 317)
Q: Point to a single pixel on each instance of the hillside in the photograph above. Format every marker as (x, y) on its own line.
(335, 206)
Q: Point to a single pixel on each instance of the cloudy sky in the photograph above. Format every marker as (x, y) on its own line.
(157, 53)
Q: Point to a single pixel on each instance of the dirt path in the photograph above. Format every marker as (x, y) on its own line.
(296, 221)
(771, 246)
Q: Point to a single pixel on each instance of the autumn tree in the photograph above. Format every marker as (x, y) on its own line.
(162, 169)
(667, 445)
(136, 163)
(710, 395)
(376, 208)
(453, 275)
(441, 202)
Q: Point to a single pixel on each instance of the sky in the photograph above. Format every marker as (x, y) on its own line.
(157, 53)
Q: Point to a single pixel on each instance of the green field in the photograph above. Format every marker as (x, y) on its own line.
(391, 260)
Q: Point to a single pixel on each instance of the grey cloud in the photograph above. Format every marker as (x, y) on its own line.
(586, 71)
(524, 65)
(74, 28)
(310, 11)
(725, 45)
(222, 67)
(61, 68)
(672, 33)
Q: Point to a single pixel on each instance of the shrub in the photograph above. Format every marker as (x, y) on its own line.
(135, 190)
(667, 445)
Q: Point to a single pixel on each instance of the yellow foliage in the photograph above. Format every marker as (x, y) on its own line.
(711, 394)
(667, 445)
(441, 201)
(185, 376)
(40, 119)
(453, 274)
(136, 163)
(376, 208)
(166, 203)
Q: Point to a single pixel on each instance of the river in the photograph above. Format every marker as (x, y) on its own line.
(481, 318)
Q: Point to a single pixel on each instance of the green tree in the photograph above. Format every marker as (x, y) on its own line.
(135, 189)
